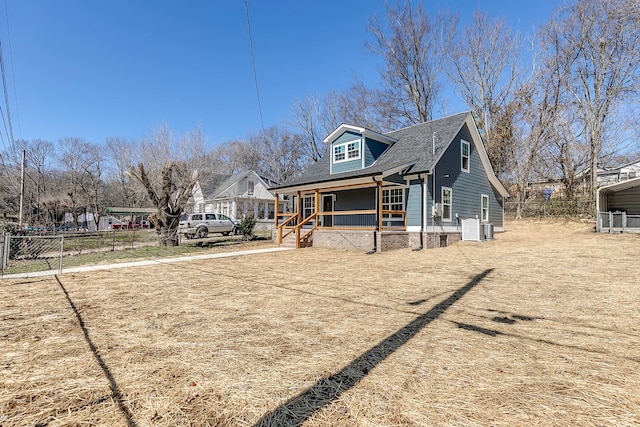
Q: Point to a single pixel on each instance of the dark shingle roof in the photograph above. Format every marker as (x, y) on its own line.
(414, 146)
(210, 186)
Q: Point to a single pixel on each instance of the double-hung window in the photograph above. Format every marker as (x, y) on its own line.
(308, 206)
(465, 149)
(447, 199)
(393, 200)
(346, 151)
(485, 208)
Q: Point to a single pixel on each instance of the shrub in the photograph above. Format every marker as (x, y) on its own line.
(246, 226)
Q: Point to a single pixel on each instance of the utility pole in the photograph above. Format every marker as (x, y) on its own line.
(21, 190)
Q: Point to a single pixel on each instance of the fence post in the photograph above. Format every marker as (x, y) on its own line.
(61, 253)
(5, 252)
(610, 221)
(624, 221)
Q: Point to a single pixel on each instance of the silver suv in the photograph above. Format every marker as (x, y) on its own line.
(201, 224)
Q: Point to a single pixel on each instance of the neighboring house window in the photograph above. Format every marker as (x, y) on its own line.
(346, 151)
(308, 206)
(485, 208)
(201, 207)
(250, 188)
(464, 156)
(447, 198)
(392, 200)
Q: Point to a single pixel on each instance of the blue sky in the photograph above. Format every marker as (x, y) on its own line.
(119, 68)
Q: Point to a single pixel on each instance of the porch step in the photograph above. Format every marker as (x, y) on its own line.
(290, 242)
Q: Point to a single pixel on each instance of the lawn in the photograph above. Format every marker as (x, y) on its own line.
(540, 326)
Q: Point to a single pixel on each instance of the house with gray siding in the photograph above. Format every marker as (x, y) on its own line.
(411, 187)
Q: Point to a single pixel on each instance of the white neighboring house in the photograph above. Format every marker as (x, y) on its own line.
(237, 196)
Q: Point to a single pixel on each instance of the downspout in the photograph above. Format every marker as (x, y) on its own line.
(423, 194)
(433, 185)
(377, 227)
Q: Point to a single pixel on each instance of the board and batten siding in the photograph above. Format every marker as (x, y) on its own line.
(467, 187)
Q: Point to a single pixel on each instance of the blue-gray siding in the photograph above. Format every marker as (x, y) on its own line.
(467, 187)
(372, 150)
(348, 165)
(414, 203)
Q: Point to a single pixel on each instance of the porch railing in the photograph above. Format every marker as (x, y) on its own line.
(362, 219)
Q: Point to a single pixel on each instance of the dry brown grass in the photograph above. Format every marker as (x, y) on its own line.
(544, 330)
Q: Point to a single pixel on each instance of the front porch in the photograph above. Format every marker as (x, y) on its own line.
(369, 218)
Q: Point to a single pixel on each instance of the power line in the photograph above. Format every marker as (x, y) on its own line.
(13, 73)
(6, 97)
(253, 62)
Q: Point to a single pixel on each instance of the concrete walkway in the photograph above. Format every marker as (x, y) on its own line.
(142, 263)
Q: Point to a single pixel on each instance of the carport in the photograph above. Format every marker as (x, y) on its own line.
(618, 207)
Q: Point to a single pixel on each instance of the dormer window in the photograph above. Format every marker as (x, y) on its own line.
(346, 151)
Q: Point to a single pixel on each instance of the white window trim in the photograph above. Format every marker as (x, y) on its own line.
(346, 151)
(484, 197)
(388, 205)
(311, 208)
(450, 204)
(462, 144)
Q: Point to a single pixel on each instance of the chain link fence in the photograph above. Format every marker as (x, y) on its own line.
(31, 253)
(536, 208)
(38, 251)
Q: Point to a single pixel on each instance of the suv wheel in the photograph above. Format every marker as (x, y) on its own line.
(202, 232)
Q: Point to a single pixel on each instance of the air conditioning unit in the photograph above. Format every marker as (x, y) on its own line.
(487, 231)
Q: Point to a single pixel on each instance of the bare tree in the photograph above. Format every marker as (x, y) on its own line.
(126, 194)
(306, 115)
(82, 164)
(484, 68)
(600, 44)
(236, 156)
(413, 48)
(280, 153)
(168, 169)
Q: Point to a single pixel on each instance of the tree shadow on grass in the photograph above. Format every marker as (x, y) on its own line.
(326, 390)
(116, 394)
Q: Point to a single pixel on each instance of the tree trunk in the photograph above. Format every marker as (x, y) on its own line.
(167, 237)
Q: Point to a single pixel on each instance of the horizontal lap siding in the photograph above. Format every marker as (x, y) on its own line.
(372, 150)
(467, 187)
(414, 204)
(348, 165)
(364, 198)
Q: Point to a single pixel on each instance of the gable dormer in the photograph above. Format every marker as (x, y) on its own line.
(354, 148)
